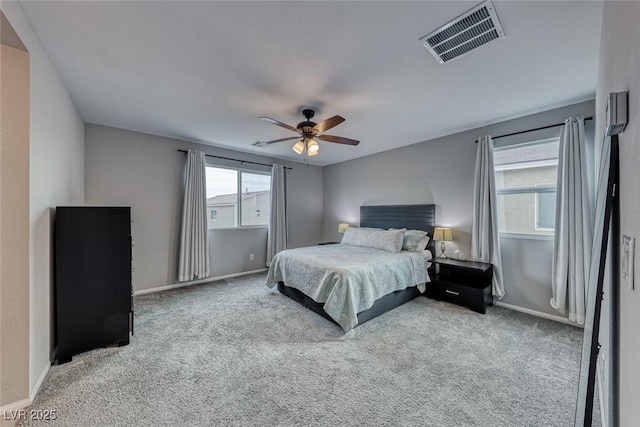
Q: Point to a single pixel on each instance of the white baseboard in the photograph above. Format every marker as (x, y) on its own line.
(196, 282)
(21, 404)
(13, 407)
(38, 384)
(537, 313)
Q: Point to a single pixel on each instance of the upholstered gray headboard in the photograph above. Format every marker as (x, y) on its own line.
(411, 217)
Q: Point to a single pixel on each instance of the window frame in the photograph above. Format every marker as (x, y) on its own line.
(240, 171)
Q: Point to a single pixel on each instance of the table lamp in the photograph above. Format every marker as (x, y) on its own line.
(342, 227)
(442, 235)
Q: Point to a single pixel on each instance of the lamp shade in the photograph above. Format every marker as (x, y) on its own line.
(312, 146)
(298, 147)
(442, 234)
(342, 227)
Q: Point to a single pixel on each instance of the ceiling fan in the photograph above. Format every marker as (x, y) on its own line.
(308, 132)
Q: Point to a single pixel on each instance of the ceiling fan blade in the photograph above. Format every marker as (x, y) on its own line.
(338, 139)
(279, 140)
(328, 124)
(284, 125)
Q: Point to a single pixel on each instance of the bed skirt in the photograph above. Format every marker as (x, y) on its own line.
(384, 304)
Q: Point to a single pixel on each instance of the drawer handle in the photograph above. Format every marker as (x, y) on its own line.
(451, 292)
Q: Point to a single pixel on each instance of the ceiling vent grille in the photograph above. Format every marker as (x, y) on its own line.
(467, 32)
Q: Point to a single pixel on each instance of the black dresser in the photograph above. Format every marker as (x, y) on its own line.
(93, 302)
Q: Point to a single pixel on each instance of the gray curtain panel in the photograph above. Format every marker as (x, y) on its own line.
(485, 240)
(573, 238)
(193, 261)
(277, 239)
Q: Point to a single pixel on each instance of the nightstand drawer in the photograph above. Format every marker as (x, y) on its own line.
(475, 298)
(454, 292)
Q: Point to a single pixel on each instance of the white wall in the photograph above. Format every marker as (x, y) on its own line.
(146, 171)
(619, 70)
(56, 178)
(441, 171)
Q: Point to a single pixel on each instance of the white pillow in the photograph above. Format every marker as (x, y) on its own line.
(414, 240)
(388, 240)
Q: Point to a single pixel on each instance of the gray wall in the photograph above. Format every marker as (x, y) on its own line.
(441, 171)
(619, 69)
(145, 172)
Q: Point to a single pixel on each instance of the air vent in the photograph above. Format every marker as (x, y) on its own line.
(467, 32)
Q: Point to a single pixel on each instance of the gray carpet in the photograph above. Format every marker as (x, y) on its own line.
(234, 352)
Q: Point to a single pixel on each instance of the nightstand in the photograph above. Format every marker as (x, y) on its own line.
(329, 243)
(466, 283)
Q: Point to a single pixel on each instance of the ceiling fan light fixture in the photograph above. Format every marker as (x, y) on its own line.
(298, 147)
(308, 131)
(312, 146)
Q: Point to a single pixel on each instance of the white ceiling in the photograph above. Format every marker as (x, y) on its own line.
(205, 71)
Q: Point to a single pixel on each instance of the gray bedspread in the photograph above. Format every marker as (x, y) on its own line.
(348, 279)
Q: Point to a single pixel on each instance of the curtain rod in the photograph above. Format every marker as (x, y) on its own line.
(235, 160)
(533, 130)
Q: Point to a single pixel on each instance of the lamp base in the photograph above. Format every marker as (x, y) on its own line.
(442, 255)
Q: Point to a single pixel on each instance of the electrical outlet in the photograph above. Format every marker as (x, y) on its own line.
(250, 257)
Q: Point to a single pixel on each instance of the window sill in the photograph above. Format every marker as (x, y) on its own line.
(246, 227)
(526, 236)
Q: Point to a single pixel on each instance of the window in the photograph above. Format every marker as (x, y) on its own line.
(526, 176)
(256, 198)
(236, 198)
(546, 209)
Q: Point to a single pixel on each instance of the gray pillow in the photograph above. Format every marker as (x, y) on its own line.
(388, 240)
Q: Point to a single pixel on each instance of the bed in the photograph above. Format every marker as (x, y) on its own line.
(350, 285)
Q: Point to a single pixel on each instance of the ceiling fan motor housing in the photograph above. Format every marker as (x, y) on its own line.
(307, 126)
